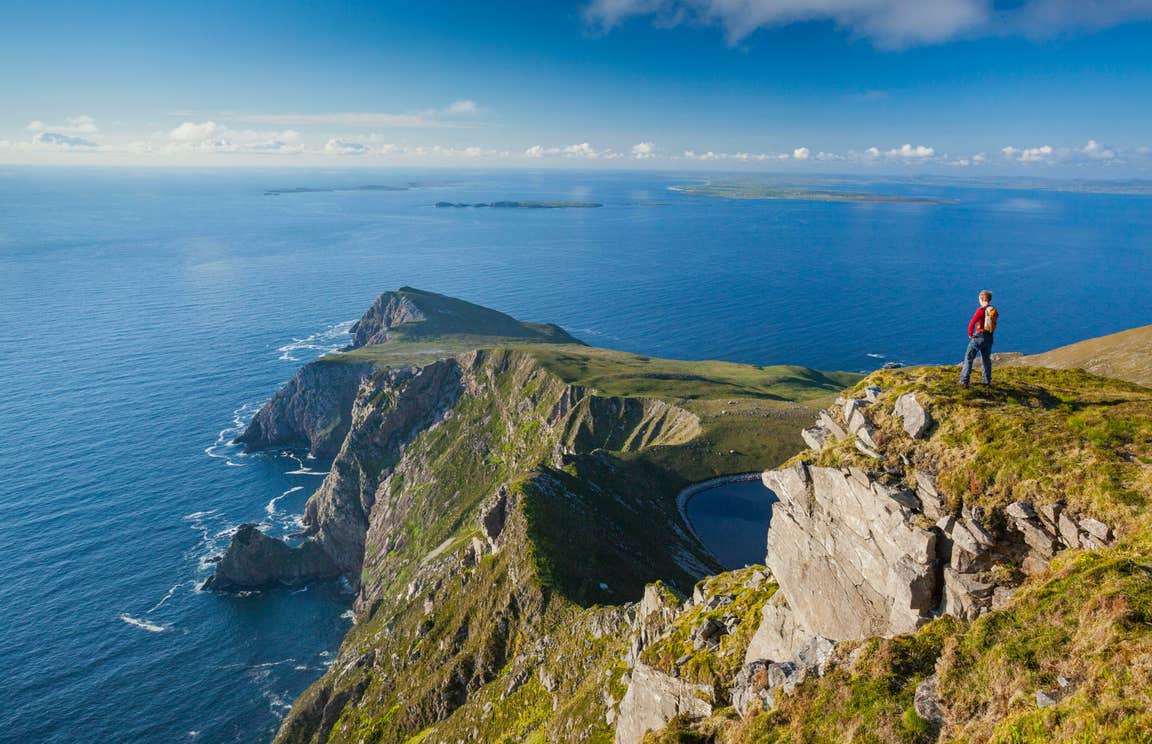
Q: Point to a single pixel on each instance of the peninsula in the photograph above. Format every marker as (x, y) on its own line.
(942, 564)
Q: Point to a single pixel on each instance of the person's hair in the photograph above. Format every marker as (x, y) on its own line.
(985, 295)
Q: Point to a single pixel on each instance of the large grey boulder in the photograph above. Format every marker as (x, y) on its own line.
(829, 424)
(847, 555)
(933, 503)
(654, 698)
(917, 421)
(778, 636)
(814, 437)
(965, 596)
(758, 681)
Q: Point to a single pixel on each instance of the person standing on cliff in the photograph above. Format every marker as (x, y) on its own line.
(980, 331)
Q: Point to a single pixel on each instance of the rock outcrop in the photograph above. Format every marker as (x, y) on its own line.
(846, 553)
(254, 560)
(855, 551)
(654, 698)
(311, 410)
(378, 324)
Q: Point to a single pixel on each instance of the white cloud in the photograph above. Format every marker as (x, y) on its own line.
(209, 136)
(890, 23)
(58, 141)
(908, 152)
(743, 157)
(345, 147)
(190, 131)
(464, 106)
(643, 151)
(1092, 152)
(801, 153)
(581, 151)
(82, 124)
(1096, 151)
(428, 119)
(1041, 154)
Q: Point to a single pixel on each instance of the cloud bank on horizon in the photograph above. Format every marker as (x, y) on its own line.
(1018, 86)
(210, 137)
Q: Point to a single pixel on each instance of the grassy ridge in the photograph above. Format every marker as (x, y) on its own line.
(1124, 356)
(1080, 632)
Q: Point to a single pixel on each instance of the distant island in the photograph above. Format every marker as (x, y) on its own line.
(327, 189)
(793, 193)
(522, 204)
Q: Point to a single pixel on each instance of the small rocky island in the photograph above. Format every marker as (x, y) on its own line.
(751, 190)
(942, 564)
(521, 205)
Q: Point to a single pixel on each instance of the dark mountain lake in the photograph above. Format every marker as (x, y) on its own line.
(731, 519)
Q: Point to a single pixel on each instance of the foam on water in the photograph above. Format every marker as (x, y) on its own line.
(270, 509)
(333, 338)
(143, 624)
(167, 596)
(223, 448)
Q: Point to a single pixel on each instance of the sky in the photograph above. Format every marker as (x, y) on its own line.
(966, 87)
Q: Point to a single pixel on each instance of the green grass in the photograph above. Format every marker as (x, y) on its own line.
(1038, 435)
(713, 666)
(620, 373)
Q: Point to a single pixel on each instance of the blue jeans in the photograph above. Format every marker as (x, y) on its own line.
(980, 344)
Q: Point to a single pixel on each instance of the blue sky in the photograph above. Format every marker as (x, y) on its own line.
(1035, 87)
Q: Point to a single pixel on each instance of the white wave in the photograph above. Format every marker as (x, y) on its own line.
(167, 597)
(270, 508)
(333, 338)
(348, 615)
(277, 704)
(143, 624)
(877, 356)
(268, 664)
(222, 448)
(299, 591)
(199, 514)
(306, 471)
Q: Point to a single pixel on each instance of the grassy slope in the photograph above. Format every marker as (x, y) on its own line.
(594, 531)
(449, 316)
(1124, 356)
(750, 415)
(1042, 435)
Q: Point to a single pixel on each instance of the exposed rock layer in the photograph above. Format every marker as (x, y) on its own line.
(312, 410)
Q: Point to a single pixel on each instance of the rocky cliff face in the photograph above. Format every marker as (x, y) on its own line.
(482, 504)
(312, 410)
(890, 576)
(389, 311)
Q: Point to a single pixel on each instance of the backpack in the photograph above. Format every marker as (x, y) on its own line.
(991, 315)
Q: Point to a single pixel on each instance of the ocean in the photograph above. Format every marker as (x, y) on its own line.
(146, 314)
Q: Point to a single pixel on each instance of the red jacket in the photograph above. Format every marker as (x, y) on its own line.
(976, 325)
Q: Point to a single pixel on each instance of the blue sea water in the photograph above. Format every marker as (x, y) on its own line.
(144, 315)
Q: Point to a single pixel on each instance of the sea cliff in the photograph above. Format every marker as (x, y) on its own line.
(941, 564)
